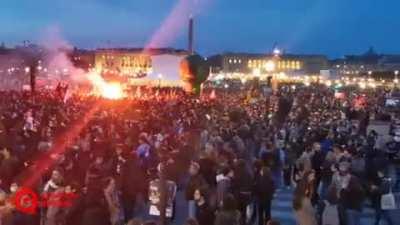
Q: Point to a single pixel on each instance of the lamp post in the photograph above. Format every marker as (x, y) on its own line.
(396, 79)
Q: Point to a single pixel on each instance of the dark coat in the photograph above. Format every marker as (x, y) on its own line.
(195, 182)
(353, 196)
(227, 218)
(205, 215)
(95, 216)
(264, 188)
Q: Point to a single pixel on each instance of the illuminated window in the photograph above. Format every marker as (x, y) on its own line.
(234, 61)
(230, 61)
(240, 61)
(298, 65)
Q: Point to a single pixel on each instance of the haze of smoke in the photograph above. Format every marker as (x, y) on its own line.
(57, 59)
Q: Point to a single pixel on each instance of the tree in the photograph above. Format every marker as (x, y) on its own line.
(193, 72)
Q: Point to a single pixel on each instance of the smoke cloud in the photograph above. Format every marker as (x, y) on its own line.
(58, 63)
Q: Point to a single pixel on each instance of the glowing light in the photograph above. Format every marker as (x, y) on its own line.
(362, 85)
(27, 69)
(282, 76)
(256, 72)
(328, 83)
(270, 66)
(372, 85)
(112, 91)
(106, 90)
(307, 84)
(396, 81)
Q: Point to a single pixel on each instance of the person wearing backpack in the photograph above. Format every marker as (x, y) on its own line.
(330, 212)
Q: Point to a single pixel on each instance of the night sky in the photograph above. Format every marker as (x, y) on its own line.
(332, 27)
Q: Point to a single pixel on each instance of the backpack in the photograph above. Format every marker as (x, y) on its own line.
(330, 215)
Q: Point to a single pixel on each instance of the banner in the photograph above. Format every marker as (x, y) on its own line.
(155, 198)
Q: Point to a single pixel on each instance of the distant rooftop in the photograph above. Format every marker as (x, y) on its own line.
(151, 51)
(270, 55)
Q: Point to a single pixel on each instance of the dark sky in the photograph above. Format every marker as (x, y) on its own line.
(333, 27)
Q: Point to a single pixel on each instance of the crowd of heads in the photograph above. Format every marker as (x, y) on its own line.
(237, 149)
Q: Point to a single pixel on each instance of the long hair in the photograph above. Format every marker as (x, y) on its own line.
(305, 189)
(299, 195)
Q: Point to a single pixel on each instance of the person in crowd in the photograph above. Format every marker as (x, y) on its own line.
(54, 183)
(168, 125)
(196, 181)
(204, 212)
(191, 221)
(305, 213)
(242, 186)
(224, 184)
(6, 209)
(113, 198)
(8, 166)
(132, 186)
(352, 198)
(330, 208)
(264, 189)
(135, 222)
(228, 213)
(95, 210)
(317, 161)
(273, 222)
(379, 186)
(55, 214)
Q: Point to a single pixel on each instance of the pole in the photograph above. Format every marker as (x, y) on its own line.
(33, 78)
(163, 196)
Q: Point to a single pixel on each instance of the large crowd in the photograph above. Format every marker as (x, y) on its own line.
(229, 154)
